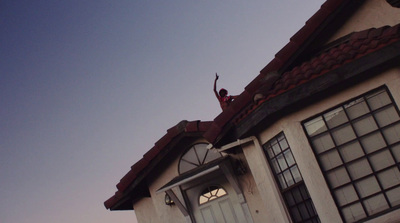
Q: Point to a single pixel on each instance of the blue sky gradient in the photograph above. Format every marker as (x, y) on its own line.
(87, 87)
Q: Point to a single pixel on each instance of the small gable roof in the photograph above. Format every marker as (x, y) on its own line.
(121, 200)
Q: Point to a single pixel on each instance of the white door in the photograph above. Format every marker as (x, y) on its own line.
(215, 201)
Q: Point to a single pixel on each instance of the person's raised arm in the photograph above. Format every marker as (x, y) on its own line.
(215, 85)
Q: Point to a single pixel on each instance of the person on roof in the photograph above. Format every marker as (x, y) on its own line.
(222, 95)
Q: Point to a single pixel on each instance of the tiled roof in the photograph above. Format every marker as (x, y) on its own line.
(357, 45)
(352, 47)
(138, 168)
(287, 53)
(213, 129)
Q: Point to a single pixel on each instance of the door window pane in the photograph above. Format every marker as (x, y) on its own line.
(211, 193)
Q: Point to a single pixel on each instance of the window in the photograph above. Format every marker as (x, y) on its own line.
(357, 146)
(290, 181)
(196, 156)
(211, 193)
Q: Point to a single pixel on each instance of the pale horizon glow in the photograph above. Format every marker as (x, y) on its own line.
(88, 87)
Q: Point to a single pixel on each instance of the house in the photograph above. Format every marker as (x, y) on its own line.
(315, 137)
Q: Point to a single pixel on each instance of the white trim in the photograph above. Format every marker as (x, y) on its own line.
(205, 172)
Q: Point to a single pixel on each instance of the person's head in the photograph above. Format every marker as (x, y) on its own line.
(223, 92)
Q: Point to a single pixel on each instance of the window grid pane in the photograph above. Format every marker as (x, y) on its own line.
(290, 181)
(360, 160)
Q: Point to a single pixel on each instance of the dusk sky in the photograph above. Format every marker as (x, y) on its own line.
(88, 86)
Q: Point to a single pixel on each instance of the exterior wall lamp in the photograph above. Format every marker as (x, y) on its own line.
(168, 200)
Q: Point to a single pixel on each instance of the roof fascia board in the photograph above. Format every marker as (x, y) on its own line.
(120, 203)
(150, 167)
(203, 173)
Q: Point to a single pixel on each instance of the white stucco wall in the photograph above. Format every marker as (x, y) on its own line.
(251, 193)
(154, 209)
(265, 183)
(160, 211)
(304, 156)
(373, 13)
(258, 184)
(145, 211)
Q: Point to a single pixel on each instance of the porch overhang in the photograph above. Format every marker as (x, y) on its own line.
(195, 174)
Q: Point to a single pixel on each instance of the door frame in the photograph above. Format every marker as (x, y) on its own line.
(222, 166)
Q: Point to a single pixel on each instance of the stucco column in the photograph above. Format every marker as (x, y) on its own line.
(265, 182)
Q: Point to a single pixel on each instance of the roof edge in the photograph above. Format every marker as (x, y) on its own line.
(124, 187)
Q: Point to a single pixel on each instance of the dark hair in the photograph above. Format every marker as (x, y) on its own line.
(222, 90)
